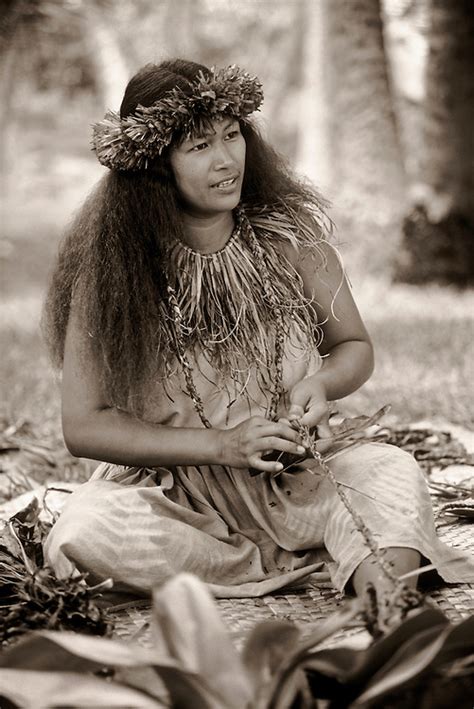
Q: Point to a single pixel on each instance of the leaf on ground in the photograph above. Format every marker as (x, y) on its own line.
(357, 424)
(9, 545)
(30, 532)
(462, 508)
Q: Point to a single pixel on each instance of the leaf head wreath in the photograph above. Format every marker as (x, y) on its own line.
(130, 143)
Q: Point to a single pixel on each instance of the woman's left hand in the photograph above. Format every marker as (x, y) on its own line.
(308, 404)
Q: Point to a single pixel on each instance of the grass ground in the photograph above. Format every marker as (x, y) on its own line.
(424, 342)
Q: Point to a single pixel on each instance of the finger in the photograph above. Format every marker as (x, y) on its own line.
(268, 466)
(280, 444)
(324, 429)
(281, 430)
(296, 412)
(317, 414)
(258, 421)
(323, 445)
(300, 395)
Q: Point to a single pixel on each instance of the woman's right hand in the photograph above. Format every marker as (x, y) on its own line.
(244, 445)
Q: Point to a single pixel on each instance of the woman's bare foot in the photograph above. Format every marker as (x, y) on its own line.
(386, 603)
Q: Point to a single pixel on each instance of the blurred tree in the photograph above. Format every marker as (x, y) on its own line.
(56, 57)
(313, 149)
(46, 38)
(366, 159)
(9, 12)
(105, 53)
(438, 232)
(270, 50)
(64, 45)
(8, 19)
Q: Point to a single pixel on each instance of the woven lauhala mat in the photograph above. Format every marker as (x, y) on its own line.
(305, 607)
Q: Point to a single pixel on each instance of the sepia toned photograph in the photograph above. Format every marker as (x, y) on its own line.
(237, 354)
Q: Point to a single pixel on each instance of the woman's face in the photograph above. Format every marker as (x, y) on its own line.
(209, 168)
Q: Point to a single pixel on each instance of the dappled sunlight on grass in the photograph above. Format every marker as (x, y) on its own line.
(424, 368)
(31, 391)
(424, 347)
(379, 299)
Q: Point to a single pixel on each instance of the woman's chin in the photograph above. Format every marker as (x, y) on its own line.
(225, 202)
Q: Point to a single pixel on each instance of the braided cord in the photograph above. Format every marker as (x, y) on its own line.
(259, 257)
(309, 441)
(183, 358)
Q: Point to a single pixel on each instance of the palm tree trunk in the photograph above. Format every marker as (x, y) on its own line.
(179, 29)
(111, 69)
(438, 232)
(283, 100)
(368, 173)
(312, 157)
(10, 19)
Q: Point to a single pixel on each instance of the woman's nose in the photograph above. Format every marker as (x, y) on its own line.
(222, 156)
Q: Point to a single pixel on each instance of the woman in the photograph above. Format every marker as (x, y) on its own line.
(197, 311)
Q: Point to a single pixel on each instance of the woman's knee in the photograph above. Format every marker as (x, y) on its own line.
(83, 534)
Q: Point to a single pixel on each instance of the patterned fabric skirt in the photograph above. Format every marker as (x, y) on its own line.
(246, 536)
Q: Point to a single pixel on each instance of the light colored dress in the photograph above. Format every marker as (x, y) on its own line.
(243, 535)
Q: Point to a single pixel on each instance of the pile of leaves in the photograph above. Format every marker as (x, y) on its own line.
(31, 597)
(28, 461)
(424, 662)
(430, 447)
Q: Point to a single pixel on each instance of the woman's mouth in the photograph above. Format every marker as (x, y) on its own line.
(227, 184)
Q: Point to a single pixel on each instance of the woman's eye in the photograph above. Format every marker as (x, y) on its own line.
(198, 147)
(233, 134)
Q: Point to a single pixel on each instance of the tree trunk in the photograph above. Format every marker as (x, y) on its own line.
(111, 69)
(179, 36)
(284, 99)
(312, 158)
(438, 231)
(366, 159)
(10, 26)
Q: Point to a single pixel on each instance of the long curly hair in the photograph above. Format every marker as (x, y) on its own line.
(110, 262)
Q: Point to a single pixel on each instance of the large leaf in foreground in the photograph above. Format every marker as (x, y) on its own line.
(32, 689)
(423, 652)
(49, 650)
(283, 684)
(266, 648)
(188, 628)
(345, 665)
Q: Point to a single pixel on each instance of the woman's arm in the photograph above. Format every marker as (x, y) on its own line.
(348, 354)
(94, 429)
